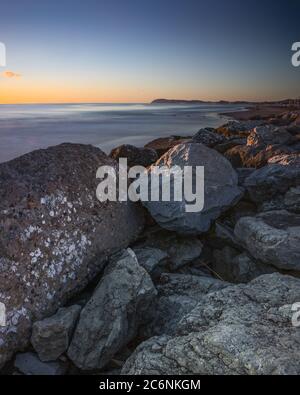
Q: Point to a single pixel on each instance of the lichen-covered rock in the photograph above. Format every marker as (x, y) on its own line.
(236, 267)
(135, 156)
(51, 337)
(112, 316)
(221, 189)
(243, 329)
(273, 237)
(54, 234)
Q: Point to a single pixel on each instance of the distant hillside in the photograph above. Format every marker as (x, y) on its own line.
(174, 101)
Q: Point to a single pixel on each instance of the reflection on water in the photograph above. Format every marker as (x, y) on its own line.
(24, 128)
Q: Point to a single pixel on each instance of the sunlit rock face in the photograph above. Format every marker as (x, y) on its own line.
(54, 234)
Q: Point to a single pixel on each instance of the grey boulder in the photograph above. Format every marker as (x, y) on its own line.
(112, 316)
(221, 190)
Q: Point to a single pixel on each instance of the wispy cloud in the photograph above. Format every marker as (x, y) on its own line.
(11, 74)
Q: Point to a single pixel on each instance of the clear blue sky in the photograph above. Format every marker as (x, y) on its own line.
(129, 50)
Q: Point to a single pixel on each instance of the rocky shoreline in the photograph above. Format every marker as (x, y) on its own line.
(126, 288)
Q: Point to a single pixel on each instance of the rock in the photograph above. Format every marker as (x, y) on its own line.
(243, 173)
(221, 190)
(240, 330)
(272, 237)
(234, 267)
(135, 156)
(208, 137)
(286, 159)
(29, 364)
(268, 135)
(266, 183)
(111, 318)
(153, 260)
(178, 294)
(181, 250)
(51, 336)
(238, 128)
(55, 236)
(291, 200)
(163, 144)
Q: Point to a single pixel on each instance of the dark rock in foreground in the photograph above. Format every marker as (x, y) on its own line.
(54, 234)
(243, 329)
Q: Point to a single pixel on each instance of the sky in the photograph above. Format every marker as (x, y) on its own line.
(140, 50)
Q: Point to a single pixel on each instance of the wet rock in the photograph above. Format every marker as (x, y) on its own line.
(221, 190)
(29, 364)
(55, 236)
(272, 237)
(242, 329)
(51, 336)
(135, 156)
(112, 316)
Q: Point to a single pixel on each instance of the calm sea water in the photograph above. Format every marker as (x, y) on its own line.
(24, 128)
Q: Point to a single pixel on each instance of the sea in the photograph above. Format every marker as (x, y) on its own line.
(24, 128)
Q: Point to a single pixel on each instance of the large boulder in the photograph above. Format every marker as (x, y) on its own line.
(273, 237)
(135, 156)
(221, 189)
(243, 329)
(111, 318)
(55, 236)
(51, 336)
